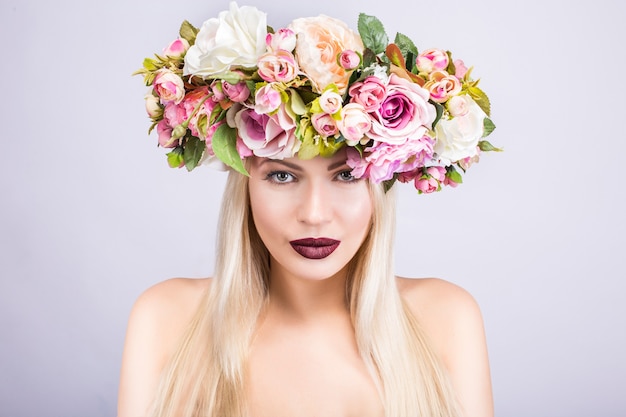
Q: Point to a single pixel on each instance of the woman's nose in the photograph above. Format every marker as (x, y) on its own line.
(315, 204)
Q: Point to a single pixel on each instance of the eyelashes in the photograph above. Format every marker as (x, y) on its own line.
(281, 177)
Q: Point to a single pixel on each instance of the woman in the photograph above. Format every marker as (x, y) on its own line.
(304, 315)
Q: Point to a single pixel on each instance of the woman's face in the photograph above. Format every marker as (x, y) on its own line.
(312, 215)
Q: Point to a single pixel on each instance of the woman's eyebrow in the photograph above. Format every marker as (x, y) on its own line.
(291, 165)
(336, 165)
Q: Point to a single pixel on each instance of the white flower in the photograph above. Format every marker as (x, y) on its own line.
(457, 138)
(235, 39)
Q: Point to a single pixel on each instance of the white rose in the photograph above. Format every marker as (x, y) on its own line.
(235, 39)
(457, 138)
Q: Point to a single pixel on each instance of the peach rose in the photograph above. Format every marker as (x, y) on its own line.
(319, 41)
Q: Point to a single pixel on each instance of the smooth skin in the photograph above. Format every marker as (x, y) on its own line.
(304, 359)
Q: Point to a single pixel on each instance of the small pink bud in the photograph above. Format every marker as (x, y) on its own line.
(349, 60)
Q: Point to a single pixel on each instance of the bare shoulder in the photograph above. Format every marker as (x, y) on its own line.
(436, 299)
(453, 324)
(158, 320)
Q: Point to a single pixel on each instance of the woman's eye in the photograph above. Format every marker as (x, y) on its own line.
(346, 176)
(280, 177)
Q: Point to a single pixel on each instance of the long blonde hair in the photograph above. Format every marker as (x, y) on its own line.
(205, 376)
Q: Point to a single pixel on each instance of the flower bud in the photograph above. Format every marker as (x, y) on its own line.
(349, 60)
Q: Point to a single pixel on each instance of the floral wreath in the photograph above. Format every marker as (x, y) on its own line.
(236, 88)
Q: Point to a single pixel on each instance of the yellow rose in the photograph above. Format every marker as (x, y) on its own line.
(319, 40)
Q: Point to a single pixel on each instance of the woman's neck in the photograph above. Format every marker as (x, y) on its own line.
(307, 300)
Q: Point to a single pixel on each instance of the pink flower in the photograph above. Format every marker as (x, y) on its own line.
(176, 48)
(319, 41)
(283, 39)
(169, 86)
(432, 60)
(427, 184)
(458, 105)
(174, 114)
(268, 136)
(369, 93)
(437, 172)
(267, 99)
(460, 68)
(198, 124)
(236, 92)
(217, 89)
(442, 86)
(404, 113)
(330, 102)
(278, 66)
(382, 160)
(349, 60)
(164, 132)
(354, 123)
(324, 124)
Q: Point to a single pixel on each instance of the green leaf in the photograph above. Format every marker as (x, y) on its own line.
(485, 146)
(454, 175)
(188, 32)
(369, 58)
(150, 65)
(480, 98)
(439, 110)
(488, 127)
(193, 151)
(372, 33)
(387, 184)
(296, 104)
(224, 144)
(405, 44)
(451, 68)
(175, 158)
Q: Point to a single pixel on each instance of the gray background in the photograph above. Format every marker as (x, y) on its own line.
(91, 215)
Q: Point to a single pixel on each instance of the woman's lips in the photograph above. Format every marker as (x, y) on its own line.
(315, 248)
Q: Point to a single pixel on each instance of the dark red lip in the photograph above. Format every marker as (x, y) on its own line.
(315, 248)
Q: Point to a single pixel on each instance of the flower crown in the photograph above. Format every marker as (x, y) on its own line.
(236, 88)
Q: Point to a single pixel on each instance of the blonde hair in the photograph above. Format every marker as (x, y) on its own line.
(205, 376)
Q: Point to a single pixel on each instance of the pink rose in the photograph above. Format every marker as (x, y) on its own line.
(324, 124)
(174, 114)
(404, 113)
(349, 60)
(432, 60)
(217, 89)
(369, 93)
(236, 92)
(319, 41)
(354, 123)
(437, 172)
(198, 124)
(278, 66)
(283, 39)
(330, 102)
(267, 99)
(458, 105)
(382, 160)
(442, 86)
(460, 68)
(427, 184)
(169, 86)
(268, 136)
(164, 132)
(176, 48)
